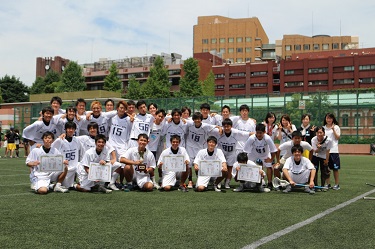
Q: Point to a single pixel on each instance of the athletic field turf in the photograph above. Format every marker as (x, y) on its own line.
(189, 220)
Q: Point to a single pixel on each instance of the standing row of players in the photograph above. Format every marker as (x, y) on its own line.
(131, 138)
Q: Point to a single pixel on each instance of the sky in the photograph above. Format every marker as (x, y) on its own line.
(86, 30)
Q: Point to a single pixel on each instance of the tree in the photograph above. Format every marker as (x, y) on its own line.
(1, 101)
(189, 83)
(72, 79)
(134, 89)
(43, 85)
(38, 86)
(111, 81)
(13, 90)
(157, 84)
(208, 85)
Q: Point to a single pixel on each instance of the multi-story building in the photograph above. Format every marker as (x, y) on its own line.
(43, 65)
(292, 44)
(235, 40)
(299, 75)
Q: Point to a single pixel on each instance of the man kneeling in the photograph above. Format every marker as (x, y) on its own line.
(299, 170)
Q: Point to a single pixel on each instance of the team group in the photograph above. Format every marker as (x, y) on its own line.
(135, 139)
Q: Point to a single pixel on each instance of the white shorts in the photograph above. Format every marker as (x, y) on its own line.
(302, 178)
(40, 181)
(141, 179)
(204, 180)
(83, 178)
(69, 179)
(170, 178)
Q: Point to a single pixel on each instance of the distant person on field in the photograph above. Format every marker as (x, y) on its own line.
(11, 139)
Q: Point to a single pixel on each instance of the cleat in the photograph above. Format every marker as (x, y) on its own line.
(60, 189)
(183, 188)
(238, 189)
(217, 189)
(113, 186)
(336, 187)
(104, 190)
(227, 186)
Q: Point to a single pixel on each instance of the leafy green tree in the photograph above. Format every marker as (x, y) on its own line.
(208, 85)
(38, 86)
(72, 79)
(13, 90)
(157, 84)
(111, 81)
(189, 83)
(134, 89)
(1, 100)
(53, 87)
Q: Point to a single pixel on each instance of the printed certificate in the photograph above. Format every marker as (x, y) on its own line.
(249, 173)
(210, 168)
(98, 172)
(174, 163)
(51, 164)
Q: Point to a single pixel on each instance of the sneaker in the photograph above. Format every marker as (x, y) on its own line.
(287, 189)
(129, 187)
(156, 185)
(336, 187)
(218, 185)
(190, 185)
(113, 186)
(238, 189)
(227, 186)
(104, 190)
(60, 189)
(217, 189)
(309, 190)
(266, 190)
(183, 188)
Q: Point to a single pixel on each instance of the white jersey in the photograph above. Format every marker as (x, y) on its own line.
(171, 128)
(227, 143)
(219, 119)
(35, 131)
(103, 124)
(119, 133)
(261, 149)
(88, 142)
(330, 135)
(326, 144)
(203, 155)
(209, 120)
(155, 136)
(243, 125)
(141, 125)
(196, 137)
(35, 155)
(148, 158)
(286, 136)
(168, 152)
(295, 168)
(61, 125)
(91, 156)
(70, 150)
(287, 147)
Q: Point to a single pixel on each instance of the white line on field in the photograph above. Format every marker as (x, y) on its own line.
(305, 222)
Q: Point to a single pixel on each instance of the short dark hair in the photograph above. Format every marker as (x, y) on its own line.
(56, 98)
(70, 108)
(212, 138)
(225, 107)
(131, 102)
(297, 148)
(227, 121)
(205, 106)
(143, 135)
(242, 157)
(176, 110)
(160, 111)
(109, 100)
(330, 115)
(197, 115)
(320, 128)
(305, 115)
(139, 103)
(175, 136)
(48, 133)
(100, 136)
(260, 127)
(80, 100)
(270, 114)
(296, 134)
(149, 105)
(185, 108)
(48, 109)
(244, 107)
(70, 124)
(93, 125)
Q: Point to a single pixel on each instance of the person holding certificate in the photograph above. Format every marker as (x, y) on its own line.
(140, 165)
(175, 164)
(210, 163)
(47, 165)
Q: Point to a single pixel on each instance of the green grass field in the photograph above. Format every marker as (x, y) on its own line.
(185, 220)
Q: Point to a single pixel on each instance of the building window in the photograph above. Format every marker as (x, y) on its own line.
(239, 50)
(219, 87)
(219, 76)
(349, 68)
(232, 75)
(297, 47)
(335, 46)
(230, 60)
(259, 85)
(357, 119)
(222, 50)
(344, 45)
(288, 47)
(343, 81)
(236, 86)
(239, 39)
(222, 40)
(318, 82)
(239, 60)
(248, 59)
(367, 80)
(230, 39)
(204, 50)
(248, 39)
(204, 41)
(248, 50)
(345, 120)
(293, 84)
(318, 70)
(325, 46)
(288, 72)
(230, 50)
(316, 46)
(367, 67)
(306, 46)
(260, 73)
(213, 40)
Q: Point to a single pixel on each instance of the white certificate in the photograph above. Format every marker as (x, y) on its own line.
(101, 173)
(249, 173)
(210, 168)
(51, 163)
(174, 163)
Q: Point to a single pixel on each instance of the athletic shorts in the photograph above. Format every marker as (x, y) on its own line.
(40, 182)
(334, 161)
(300, 178)
(69, 178)
(11, 146)
(204, 180)
(141, 179)
(170, 178)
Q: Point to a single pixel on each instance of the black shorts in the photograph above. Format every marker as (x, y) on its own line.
(334, 161)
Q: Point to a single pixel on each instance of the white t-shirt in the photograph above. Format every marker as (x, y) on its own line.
(70, 150)
(35, 131)
(171, 128)
(155, 136)
(197, 137)
(203, 155)
(327, 145)
(259, 148)
(35, 155)
(292, 166)
(243, 125)
(286, 136)
(335, 142)
(168, 151)
(133, 154)
(287, 147)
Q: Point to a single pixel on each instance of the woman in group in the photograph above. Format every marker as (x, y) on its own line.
(307, 130)
(271, 127)
(285, 129)
(333, 132)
